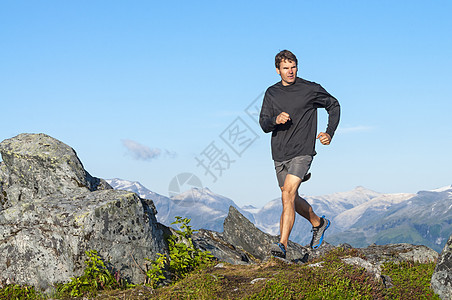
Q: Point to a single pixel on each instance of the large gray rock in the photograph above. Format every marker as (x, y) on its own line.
(37, 165)
(214, 242)
(442, 276)
(243, 243)
(379, 254)
(374, 256)
(53, 211)
(240, 232)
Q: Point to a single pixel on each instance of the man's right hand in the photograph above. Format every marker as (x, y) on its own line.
(282, 118)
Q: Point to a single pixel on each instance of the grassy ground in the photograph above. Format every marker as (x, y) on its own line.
(325, 278)
(275, 279)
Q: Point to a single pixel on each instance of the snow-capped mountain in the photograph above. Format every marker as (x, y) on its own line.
(267, 219)
(205, 209)
(136, 187)
(359, 217)
(380, 203)
(423, 218)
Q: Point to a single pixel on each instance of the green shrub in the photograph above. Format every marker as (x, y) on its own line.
(96, 277)
(17, 292)
(183, 256)
(155, 273)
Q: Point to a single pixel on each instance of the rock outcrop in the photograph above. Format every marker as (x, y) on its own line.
(378, 254)
(214, 242)
(249, 244)
(243, 243)
(374, 256)
(52, 211)
(36, 165)
(239, 231)
(442, 276)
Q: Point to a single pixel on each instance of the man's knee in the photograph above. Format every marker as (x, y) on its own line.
(289, 191)
(288, 196)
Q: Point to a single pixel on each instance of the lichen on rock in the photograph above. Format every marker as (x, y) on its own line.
(52, 211)
(442, 276)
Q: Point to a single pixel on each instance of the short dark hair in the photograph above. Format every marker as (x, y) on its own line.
(285, 55)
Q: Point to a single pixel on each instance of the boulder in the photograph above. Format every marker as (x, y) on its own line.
(374, 256)
(52, 211)
(240, 232)
(378, 254)
(442, 276)
(37, 165)
(214, 242)
(243, 243)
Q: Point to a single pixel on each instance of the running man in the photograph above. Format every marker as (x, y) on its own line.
(289, 111)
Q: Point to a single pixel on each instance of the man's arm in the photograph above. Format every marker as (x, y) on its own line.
(268, 122)
(267, 119)
(331, 105)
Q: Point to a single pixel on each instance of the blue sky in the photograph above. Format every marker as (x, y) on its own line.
(144, 90)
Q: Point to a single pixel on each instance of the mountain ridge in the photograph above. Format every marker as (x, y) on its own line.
(358, 216)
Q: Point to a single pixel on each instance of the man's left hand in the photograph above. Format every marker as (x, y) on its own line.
(324, 138)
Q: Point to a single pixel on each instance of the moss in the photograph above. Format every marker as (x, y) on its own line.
(14, 291)
(411, 280)
(79, 219)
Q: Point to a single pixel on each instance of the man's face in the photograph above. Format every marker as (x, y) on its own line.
(288, 72)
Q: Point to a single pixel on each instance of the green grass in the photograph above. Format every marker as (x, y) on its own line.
(411, 280)
(17, 292)
(333, 279)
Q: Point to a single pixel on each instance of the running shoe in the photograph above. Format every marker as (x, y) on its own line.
(278, 250)
(318, 232)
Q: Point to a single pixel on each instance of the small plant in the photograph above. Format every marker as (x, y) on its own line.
(96, 277)
(17, 292)
(155, 273)
(183, 256)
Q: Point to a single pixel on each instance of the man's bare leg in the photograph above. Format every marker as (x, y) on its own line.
(303, 208)
(292, 203)
(289, 193)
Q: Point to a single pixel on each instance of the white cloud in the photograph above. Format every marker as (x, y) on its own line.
(142, 152)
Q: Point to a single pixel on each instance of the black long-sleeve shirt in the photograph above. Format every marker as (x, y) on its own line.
(300, 100)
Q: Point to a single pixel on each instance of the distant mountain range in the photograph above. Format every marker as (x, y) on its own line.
(359, 217)
(205, 209)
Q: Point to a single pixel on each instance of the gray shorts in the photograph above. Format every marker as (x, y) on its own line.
(297, 166)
